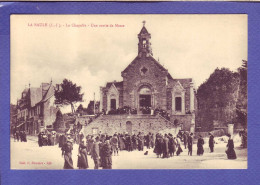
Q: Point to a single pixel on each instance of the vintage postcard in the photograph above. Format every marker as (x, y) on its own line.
(160, 91)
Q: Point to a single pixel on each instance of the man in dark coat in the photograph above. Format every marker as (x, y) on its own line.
(172, 145)
(190, 144)
(107, 151)
(40, 139)
(95, 153)
(129, 143)
(211, 143)
(185, 138)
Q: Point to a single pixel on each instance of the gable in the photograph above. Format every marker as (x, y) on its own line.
(150, 59)
(113, 90)
(178, 87)
(185, 83)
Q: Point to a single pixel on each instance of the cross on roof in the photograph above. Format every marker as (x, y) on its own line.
(143, 23)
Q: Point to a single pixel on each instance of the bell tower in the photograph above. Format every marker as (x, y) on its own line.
(144, 45)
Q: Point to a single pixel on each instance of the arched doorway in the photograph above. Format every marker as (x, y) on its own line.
(129, 127)
(145, 97)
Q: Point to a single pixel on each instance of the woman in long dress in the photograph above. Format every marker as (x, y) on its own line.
(231, 154)
(179, 149)
(121, 142)
(200, 144)
(82, 156)
(172, 145)
(158, 145)
(67, 152)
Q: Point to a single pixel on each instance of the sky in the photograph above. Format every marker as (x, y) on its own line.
(189, 46)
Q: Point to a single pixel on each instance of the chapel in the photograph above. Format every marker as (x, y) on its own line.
(148, 84)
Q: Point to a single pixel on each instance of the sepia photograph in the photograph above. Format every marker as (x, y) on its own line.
(128, 91)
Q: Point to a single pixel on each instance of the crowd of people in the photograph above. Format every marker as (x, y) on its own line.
(102, 147)
(123, 110)
(144, 110)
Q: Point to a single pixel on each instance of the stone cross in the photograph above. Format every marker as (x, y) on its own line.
(143, 23)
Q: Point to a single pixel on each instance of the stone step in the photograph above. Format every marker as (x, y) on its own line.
(128, 123)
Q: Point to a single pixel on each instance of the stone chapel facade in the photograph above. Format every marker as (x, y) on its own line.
(146, 83)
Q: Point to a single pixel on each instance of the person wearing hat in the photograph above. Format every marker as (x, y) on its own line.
(200, 144)
(190, 143)
(185, 139)
(114, 144)
(67, 153)
(39, 139)
(211, 142)
(95, 153)
(158, 149)
(231, 154)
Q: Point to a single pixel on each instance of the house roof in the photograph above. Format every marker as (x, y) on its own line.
(118, 85)
(35, 96)
(41, 94)
(50, 92)
(185, 82)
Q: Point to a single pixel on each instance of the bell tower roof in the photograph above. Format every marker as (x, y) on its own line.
(144, 31)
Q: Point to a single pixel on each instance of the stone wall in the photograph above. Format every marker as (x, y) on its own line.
(154, 77)
(118, 123)
(184, 119)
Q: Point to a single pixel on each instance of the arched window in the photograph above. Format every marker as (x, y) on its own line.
(145, 90)
(144, 43)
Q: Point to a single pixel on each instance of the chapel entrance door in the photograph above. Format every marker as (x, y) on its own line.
(145, 100)
(129, 127)
(113, 104)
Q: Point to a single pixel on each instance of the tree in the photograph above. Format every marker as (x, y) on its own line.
(68, 94)
(217, 98)
(241, 104)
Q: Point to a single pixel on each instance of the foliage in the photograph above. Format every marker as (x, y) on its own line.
(59, 123)
(241, 106)
(68, 94)
(219, 96)
(90, 109)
